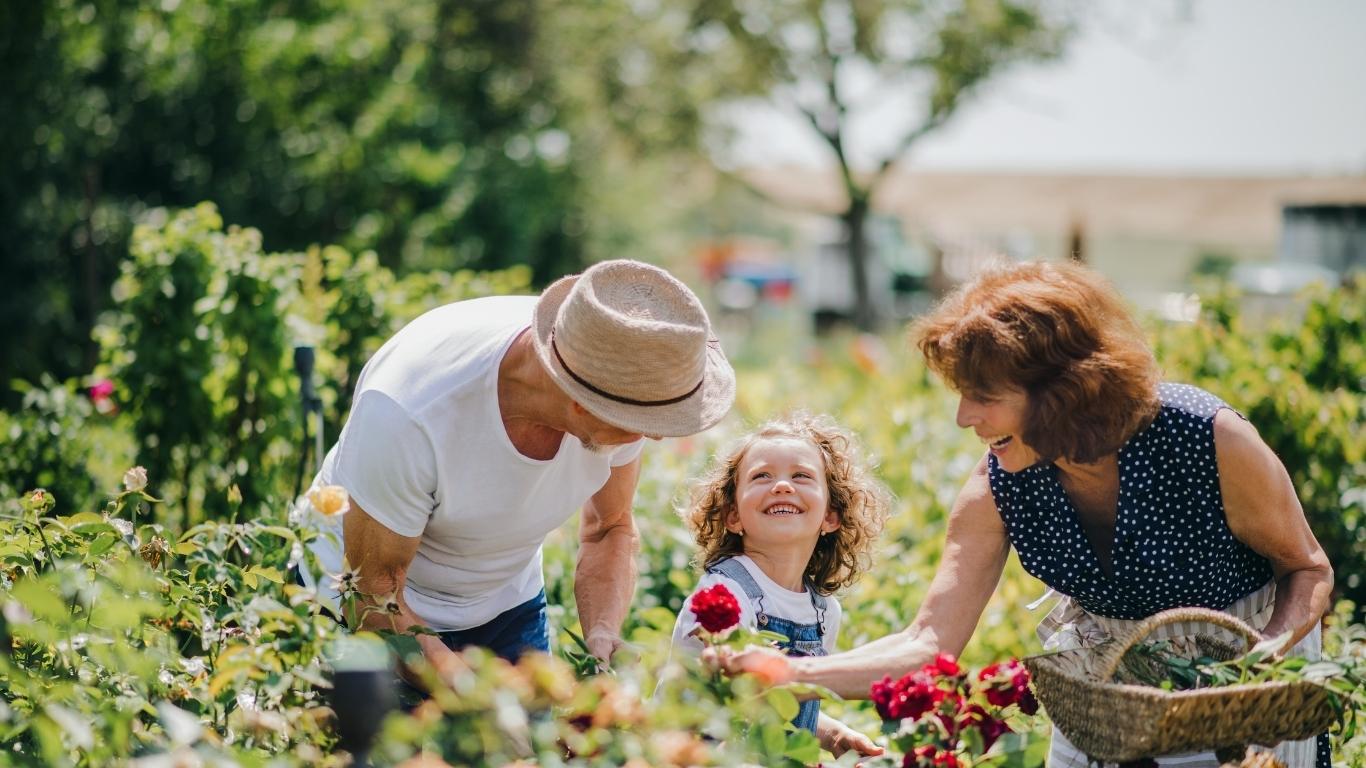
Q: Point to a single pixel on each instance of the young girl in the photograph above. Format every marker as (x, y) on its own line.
(786, 519)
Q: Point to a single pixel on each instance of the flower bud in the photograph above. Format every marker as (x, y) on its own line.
(135, 479)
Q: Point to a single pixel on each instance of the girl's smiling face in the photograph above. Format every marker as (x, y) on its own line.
(781, 496)
(999, 421)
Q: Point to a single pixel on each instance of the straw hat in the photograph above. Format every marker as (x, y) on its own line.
(632, 345)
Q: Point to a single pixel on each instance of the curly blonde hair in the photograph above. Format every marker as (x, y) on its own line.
(860, 500)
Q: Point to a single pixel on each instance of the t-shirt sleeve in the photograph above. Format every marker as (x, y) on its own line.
(687, 620)
(386, 463)
(628, 453)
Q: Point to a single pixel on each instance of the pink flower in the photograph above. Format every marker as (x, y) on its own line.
(716, 608)
(101, 395)
(101, 390)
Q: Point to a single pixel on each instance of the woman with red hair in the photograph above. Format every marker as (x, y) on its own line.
(1124, 495)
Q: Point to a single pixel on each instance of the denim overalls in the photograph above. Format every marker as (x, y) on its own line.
(802, 639)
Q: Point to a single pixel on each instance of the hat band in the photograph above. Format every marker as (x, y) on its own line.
(617, 398)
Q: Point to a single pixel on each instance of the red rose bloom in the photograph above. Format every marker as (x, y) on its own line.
(716, 608)
(910, 697)
(990, 728)
(921, 757)
(945, 664)
(1008, 683)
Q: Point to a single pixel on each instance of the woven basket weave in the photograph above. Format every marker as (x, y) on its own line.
(1117, 722)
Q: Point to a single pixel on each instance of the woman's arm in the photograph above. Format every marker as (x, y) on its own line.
(975, 551)
(1264, 513)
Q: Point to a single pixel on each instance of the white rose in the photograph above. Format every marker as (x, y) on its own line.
(135, 479)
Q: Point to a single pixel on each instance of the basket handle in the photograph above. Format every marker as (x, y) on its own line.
(1110, 659)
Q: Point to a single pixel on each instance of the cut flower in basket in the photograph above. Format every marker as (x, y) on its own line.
(940, 716)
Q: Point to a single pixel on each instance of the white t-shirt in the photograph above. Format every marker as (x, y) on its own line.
(793, 606)
(424, 452)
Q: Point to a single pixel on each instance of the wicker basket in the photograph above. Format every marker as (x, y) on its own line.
(1117, 722)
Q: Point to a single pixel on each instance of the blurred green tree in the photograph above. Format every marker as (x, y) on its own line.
(825, 61)
(442, 134)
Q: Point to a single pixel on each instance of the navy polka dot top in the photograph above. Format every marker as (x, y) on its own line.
(1172, 546)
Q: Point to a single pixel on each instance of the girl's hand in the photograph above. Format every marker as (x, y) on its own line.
(770, 666)
(841, 739)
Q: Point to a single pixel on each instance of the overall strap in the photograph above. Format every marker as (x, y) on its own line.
(818, 602)
(739, 574)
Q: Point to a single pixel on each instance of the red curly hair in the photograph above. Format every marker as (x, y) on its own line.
(1061, 334)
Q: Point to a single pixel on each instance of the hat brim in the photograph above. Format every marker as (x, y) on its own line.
(699, 412)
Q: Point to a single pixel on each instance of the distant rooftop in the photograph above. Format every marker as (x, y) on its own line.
(1233, 210)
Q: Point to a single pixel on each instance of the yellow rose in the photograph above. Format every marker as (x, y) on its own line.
(330, 500)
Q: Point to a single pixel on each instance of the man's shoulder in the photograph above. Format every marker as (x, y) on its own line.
(446, 349)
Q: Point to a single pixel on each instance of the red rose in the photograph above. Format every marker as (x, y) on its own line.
(945, 664)
(990, 728)
(949, 712)
(716, 608)
(946, 759)
(907, 698)
(1008, 683)
(881, 694)
(921, 757)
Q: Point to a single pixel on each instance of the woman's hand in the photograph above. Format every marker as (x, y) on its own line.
(770, 666)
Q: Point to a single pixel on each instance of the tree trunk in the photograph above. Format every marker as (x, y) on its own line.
(88, 303)
(865, 313)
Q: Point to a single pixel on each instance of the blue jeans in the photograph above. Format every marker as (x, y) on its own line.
(510, 633)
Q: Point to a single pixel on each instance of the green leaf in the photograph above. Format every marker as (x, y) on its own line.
(101, 544)
(41, 601)
(279, 530)
(783, 702)
(268, 573)
(773, 738)
(803, 747)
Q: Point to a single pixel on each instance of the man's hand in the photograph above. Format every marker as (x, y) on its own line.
(603, 644)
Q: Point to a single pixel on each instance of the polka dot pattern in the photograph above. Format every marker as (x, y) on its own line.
(1172, 546)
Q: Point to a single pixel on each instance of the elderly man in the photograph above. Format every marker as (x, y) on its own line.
(483, 425)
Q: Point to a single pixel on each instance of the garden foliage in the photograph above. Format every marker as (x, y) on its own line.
(1303, 386)
(162, 631)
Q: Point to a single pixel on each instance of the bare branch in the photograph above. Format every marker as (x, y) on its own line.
(768, 197)
(930, 124)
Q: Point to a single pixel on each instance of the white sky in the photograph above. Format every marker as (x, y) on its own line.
(1228, 86)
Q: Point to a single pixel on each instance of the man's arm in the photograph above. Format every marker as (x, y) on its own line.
(1264, 513)
(605, 576)
(382, 557)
